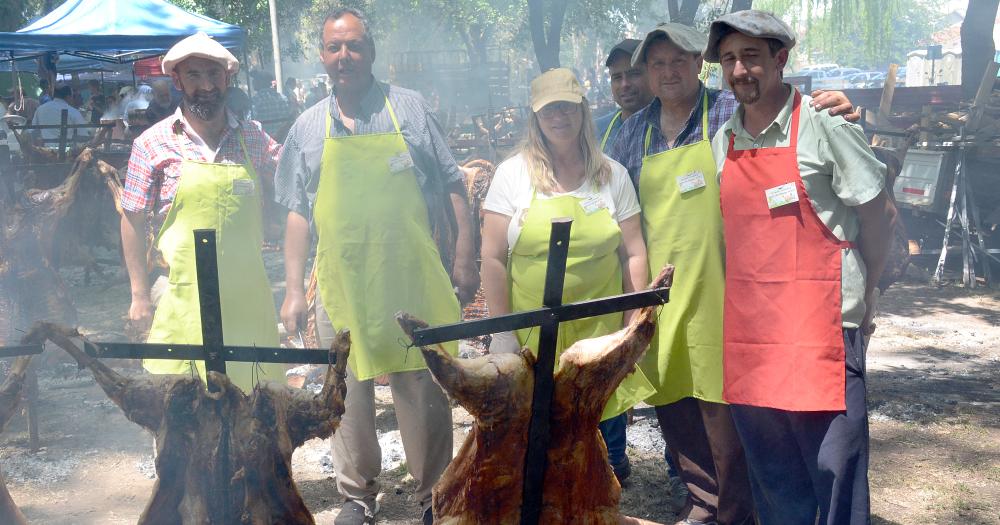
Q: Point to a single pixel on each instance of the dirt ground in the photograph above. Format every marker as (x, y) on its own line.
(934, 397)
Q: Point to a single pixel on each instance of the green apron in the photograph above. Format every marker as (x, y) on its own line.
(375, 254)
(611, 125)
(224, 197)
(682, 222)
(593, 270)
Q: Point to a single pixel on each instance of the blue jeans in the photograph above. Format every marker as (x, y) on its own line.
(613, 432)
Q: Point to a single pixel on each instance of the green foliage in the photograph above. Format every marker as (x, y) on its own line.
(15, 14)
(859, 33)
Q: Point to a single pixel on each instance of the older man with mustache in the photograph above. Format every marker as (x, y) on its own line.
(202, 167)
(807, 225)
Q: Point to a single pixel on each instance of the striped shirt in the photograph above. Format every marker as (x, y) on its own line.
(154, 169)
(628, 149)
(297, 178)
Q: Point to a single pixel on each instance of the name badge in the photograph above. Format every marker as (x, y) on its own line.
(400, 162)
(691, 181)
(779, 196)
(243, 187)
(593, 203)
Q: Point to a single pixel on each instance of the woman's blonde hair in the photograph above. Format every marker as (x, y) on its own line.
(537, 155)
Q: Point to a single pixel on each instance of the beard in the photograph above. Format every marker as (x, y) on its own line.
(746, 91)
(204, 104)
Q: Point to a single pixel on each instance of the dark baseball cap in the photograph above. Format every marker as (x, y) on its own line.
(626, 46)
(753, 23)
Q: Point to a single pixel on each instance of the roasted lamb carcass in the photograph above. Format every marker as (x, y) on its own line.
(483, 483)
(222, 457)
(10, 397)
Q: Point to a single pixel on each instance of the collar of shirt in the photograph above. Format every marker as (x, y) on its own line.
(181, 125)
(655, 107)
(370, 105)
(781, 123)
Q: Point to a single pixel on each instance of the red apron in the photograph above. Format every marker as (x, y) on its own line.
(783, 345)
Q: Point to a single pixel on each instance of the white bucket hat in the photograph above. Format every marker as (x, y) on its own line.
(202, 46)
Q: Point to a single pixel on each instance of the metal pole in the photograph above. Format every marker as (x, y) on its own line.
(275, 47)
(535, 458)
(207, 267)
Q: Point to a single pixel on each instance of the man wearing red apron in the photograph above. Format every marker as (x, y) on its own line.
(804, 215)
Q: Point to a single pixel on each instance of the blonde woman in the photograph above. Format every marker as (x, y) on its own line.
(561, 172)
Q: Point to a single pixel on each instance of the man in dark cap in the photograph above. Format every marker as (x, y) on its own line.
(807, 224)
(630, 91)
(666, 147)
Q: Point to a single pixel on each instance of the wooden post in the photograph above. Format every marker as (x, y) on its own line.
(31, 406)
(63, 119)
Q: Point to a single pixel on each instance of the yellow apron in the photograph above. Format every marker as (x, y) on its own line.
(593, 270)
(224, 197)
(611, 125)
(682, 222)
(375, 254)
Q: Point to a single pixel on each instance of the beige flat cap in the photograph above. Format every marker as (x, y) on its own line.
(202, 46)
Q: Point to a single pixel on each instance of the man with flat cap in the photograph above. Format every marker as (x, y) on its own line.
(667, 149)
(629, 89)
(202, 167)
(807, 225)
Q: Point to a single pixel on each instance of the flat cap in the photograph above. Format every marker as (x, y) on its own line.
(685, 37)
(753, 23)
(626, 47)
(202, 46)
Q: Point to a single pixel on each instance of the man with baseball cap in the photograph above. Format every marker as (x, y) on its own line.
(667, 150)
(200, 168)
(807, 226)
(629, 89)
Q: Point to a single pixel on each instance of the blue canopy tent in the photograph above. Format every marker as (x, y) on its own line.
(118, 31)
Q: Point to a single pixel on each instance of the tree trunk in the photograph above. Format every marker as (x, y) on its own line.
(977, 43)
(688, 11)
(741, 5)
(545, 40)
(673, 10)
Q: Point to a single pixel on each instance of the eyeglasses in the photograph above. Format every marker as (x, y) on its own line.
(558, 108)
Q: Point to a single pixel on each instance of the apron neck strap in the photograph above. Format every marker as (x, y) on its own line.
(392, 114)
(247, 162)
(607, 132)
(704, 114)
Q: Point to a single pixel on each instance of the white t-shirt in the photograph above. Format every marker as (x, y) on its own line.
(511, 191)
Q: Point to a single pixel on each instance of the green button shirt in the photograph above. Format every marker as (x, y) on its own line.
(838, 170)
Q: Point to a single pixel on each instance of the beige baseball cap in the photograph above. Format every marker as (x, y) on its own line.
(685, 37)
(202, 46)
(555, 85)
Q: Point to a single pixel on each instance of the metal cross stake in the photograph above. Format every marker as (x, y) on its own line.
(547, 318)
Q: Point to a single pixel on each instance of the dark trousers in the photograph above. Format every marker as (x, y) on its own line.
(802, 463)
(613, 432)
(706, 449)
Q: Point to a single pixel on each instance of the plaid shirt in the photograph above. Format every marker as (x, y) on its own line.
(154, 169)
(629, 146)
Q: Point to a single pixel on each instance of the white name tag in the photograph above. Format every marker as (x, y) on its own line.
(782, 195)
(400, 162)
(243, 187)
(593, 203)
(691, 181)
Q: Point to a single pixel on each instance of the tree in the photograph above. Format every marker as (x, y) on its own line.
(683, 12)
(977, 43)
(546, 37)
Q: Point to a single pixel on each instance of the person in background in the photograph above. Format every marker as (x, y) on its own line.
(200, 168)
(22, 105)
(317, 94)
(629, 89)
(807, 225)
(294, 94)
(45, 89)
(561, 172)
(162, 104)
(50, 114)
(369, 171)
(270, 108)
